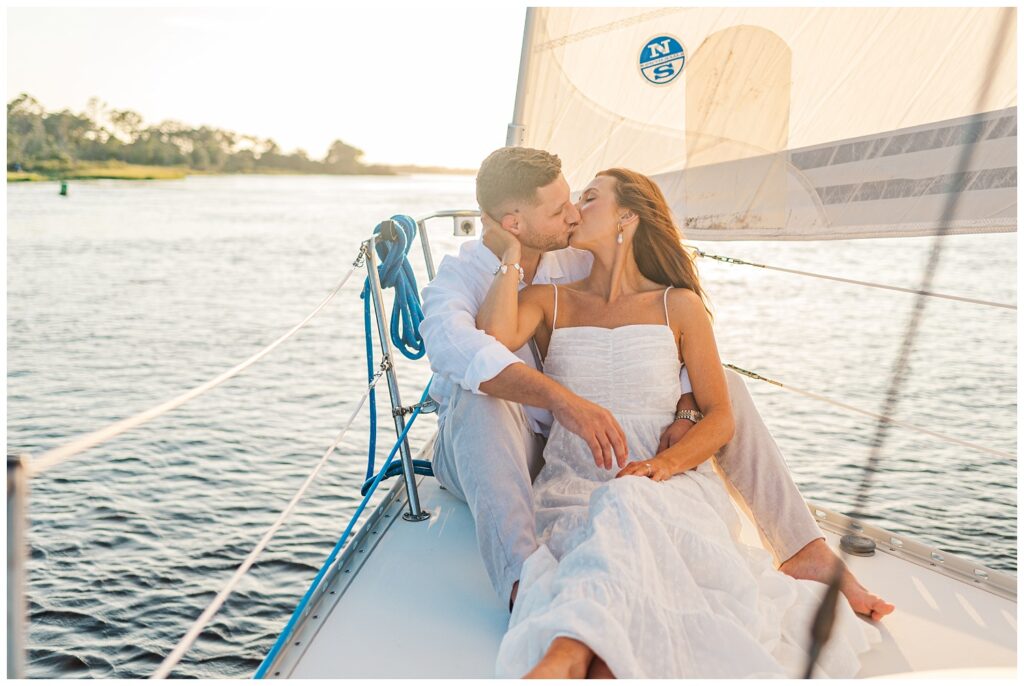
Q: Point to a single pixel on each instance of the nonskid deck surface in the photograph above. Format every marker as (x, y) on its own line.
(418, 603)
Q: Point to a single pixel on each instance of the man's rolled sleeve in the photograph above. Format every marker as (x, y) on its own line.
(457, 350)
(487, 364)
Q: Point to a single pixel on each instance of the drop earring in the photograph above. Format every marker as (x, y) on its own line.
(618, 239)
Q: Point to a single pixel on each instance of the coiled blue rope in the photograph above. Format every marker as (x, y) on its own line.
(393, 271)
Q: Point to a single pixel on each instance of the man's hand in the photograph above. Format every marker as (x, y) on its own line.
(500, 240)
(595, 425)
(673, 433)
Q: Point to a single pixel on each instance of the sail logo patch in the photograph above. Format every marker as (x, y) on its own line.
(662, 59)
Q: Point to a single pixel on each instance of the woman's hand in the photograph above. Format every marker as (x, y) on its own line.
(503, 242)
(512, 318)
(655, 469)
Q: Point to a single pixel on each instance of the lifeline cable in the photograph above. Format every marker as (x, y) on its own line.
(186, 641)
(870, 284)
(332, 556)
(52, 458)
(850, 408)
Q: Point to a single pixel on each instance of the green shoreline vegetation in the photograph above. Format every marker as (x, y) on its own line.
(105, 143)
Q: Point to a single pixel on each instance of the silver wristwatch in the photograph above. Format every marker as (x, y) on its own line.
(691, 415)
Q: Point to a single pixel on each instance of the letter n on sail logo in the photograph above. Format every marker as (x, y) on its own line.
(662, 59)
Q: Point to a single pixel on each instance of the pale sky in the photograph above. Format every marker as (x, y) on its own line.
(430, 86)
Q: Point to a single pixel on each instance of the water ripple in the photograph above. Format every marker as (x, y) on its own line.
(122, 295)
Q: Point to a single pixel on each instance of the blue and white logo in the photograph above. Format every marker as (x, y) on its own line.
(662, 59)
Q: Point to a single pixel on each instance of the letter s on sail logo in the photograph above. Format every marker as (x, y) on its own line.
(662, 59)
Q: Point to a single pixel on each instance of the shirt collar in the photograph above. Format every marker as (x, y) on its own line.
(482, 254)
(550, 266)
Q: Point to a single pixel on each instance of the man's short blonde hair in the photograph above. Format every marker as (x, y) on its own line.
(514, 174)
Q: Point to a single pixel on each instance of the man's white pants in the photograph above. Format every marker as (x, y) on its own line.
(487, 456)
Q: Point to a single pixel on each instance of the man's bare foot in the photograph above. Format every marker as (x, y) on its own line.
(598, 669)
(566, 658)
(817, 562)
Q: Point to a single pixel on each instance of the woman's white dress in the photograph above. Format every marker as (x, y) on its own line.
(651, 575)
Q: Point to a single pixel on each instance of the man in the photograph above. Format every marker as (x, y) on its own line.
(496, 407)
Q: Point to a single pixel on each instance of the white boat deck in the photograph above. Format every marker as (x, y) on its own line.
(412, 600)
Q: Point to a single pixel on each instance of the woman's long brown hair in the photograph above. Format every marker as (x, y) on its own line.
(657, 244)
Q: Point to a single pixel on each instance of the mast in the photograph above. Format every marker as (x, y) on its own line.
(516, 131)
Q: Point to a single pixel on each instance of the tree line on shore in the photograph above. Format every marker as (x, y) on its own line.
(41, 141)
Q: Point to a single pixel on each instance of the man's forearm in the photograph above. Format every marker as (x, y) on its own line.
(525, 385)
(687, 402)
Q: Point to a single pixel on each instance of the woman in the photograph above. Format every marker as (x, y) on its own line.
(640, 572)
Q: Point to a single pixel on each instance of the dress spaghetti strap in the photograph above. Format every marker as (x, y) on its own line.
(664, 300)
(554, 315)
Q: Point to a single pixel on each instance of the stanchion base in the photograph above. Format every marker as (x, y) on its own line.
(410, 517)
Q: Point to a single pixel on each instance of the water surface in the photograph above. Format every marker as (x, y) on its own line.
(124, 294)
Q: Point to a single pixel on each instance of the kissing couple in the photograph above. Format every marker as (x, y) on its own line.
(588, 423)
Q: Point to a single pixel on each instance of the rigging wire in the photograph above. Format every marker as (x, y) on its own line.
(164, 670)
(332, 556)
(52, 458)
(821, 629)
(879, 417)
(946, 296)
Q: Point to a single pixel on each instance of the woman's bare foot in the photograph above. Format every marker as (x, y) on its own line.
(566, 658)
(816, 562)
(599, 669)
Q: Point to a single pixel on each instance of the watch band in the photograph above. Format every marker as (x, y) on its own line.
(690, 415)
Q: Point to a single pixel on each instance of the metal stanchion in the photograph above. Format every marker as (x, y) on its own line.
(415, 513)
(17, 523)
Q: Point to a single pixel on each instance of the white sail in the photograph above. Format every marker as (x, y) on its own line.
(791, 123)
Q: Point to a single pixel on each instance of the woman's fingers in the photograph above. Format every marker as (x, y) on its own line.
(634, 469)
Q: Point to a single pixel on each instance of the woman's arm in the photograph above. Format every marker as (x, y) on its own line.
(510, 315)
(710, 390)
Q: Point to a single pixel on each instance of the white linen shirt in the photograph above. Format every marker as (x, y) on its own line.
(459, 352)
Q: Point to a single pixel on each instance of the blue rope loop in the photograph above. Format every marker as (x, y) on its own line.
(422, 467)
